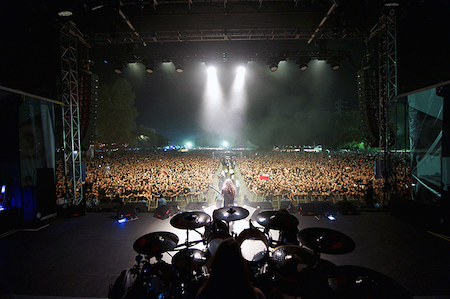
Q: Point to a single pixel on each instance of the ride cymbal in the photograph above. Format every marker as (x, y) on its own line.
(325, 240)
(155, 243)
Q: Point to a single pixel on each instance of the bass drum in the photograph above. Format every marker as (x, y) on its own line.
(254, 248)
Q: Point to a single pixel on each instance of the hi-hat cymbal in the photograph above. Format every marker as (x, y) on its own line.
(278, 220)
(359, 282)
(190, 220)
(231, 213)
(155, 243)
(325, 240)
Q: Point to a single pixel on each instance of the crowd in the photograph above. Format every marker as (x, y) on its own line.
(151, 176)
(326, 175)
(147, 177)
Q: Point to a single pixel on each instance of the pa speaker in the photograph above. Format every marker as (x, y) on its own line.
(167, 210)
(307, 209)
(265, 205)
(126, 211)
(287, 205)
(346, 208)
(324, 208)
(45, 192)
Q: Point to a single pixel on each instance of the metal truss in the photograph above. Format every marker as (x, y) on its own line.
(71, 113)
(271, 34)
(387, 60)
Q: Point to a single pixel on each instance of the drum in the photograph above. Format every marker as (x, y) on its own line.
(156, 281)
(215, 232)
(254, 248)
(189, 263)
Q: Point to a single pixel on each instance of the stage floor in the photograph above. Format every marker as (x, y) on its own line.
(81, 257)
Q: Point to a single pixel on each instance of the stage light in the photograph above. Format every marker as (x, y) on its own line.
(149, 66)
(273, 66)
(334, 63)
(179, 65)
(303, 62)
(118, 68)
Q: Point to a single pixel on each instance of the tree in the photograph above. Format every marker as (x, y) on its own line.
(116, 113)
(161, 140)
(146, 138)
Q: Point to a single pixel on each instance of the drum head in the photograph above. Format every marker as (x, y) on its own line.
(254, 246)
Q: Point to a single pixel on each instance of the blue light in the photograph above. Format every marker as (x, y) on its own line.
(122, 220)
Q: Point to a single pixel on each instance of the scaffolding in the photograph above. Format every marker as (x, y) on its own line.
(71, 113)
(387, 92)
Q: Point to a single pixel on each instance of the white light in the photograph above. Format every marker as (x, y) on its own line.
(225, 144)
(189, 145)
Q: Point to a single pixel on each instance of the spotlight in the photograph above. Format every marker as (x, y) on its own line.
(303, 62)
(179, 65)
(334, 63)
(273, 66)
(118, 68)
(149, 66)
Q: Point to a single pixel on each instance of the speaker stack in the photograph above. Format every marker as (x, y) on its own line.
(367, 102)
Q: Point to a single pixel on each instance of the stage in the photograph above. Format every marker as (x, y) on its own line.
(81, 257)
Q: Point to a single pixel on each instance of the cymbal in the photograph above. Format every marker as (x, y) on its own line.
(156, 243)
(190, 220)
(278, 220)
(325, 240)
(359, 282)
(231, 213)
(293, 267)
(189, 260)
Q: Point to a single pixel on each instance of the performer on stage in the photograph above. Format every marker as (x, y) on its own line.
(229, 193)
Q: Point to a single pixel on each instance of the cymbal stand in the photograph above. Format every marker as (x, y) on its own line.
(188, 243)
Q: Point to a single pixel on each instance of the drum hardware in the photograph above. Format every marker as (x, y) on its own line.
(288, 270)
(359, 282)
(190, 220)
(282, 221)
(325, 240)
(230, 214)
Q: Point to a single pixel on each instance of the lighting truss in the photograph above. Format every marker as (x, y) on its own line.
(387, 61)
(71, 113)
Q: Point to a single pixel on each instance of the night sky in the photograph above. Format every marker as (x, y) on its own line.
(172, 103)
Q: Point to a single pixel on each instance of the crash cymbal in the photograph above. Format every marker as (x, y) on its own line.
(325, 240)
(189, 260)
(293, 267)
(278, 220)
(359, 282)
(190, 220)
(155, 243)
(231, 213)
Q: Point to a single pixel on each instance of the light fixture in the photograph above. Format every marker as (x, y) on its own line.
(273, 65)
(303, 62)
(149, 66)
(119, 67)
(65, 9)
(179, 65)
(334, 63)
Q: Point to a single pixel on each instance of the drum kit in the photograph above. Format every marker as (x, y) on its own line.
(290, 267)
